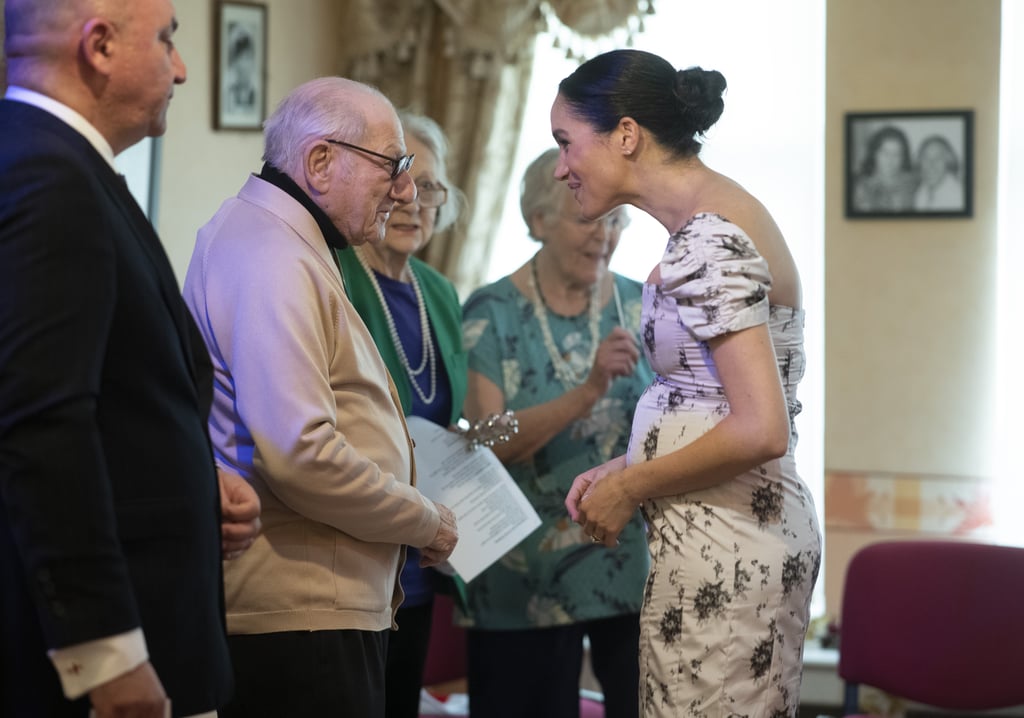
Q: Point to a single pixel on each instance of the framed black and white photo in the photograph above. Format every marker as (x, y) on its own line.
(909, 164)
(241, 65)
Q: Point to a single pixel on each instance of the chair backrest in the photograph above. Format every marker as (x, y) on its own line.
(936, 622)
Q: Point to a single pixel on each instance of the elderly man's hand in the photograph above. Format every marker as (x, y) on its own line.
(444, 542)
(240, 513)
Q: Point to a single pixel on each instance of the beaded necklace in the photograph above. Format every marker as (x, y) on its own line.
(569, 377)
(428, 345)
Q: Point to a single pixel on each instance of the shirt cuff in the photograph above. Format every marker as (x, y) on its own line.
(84, 666)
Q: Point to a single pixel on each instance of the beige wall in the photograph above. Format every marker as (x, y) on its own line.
(909, 303)
(201, 166)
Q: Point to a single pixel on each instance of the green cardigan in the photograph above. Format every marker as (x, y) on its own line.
(443, 311)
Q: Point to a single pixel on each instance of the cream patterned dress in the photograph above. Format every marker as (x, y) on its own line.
(732, 567)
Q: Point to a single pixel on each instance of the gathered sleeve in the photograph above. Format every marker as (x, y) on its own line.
(716, 275)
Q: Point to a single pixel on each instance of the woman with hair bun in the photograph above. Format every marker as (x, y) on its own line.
(734, 540)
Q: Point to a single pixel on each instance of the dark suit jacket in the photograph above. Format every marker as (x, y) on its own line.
(109, 511)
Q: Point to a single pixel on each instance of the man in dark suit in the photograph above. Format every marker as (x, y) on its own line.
(110, 548)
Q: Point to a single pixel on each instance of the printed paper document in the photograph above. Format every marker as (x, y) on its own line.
(493, 514)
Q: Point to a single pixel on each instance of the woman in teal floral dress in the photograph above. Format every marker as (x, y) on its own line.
(557, 342)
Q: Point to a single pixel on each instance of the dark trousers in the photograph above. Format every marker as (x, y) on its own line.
(536, 672)
(314, 674)
(407, 655)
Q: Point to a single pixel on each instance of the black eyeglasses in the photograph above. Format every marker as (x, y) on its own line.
(431, 195)
(398, 164)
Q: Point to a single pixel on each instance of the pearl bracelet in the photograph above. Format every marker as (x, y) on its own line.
(494, 429)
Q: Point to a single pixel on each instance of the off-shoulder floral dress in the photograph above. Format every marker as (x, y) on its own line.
(726, 604)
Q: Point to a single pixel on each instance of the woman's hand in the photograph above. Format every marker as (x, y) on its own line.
(598, 502)
(616, 356)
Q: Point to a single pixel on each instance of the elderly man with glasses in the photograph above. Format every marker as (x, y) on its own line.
(306, 410)
(414, 314)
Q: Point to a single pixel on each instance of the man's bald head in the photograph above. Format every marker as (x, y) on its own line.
(41, 28)
(112, 61)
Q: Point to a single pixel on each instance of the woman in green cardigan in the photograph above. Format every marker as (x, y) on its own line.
(414, 315)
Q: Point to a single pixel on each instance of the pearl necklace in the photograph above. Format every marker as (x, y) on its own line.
(569, 377)
(428, 345)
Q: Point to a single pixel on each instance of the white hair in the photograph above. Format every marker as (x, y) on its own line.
(539, 191)
(321, 108)
(427, 131)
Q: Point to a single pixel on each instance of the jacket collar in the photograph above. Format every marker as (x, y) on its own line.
(279, 179)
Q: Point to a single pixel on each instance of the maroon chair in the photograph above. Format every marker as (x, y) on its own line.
(935, 622)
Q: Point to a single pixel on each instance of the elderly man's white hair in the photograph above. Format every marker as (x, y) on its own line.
(327, 107)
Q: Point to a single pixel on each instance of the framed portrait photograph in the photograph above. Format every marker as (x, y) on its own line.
(909, 164)
(240, 59)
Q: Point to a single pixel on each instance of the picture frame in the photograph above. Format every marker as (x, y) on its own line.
(240, 65)
(911, 164)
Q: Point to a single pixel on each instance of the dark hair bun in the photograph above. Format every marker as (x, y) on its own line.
(699, 93)
(677, 107)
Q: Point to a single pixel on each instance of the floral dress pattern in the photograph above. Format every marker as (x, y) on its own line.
(557, 575)
(726, 605)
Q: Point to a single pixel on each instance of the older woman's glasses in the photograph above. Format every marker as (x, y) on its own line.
(398, 164)
(431, 195)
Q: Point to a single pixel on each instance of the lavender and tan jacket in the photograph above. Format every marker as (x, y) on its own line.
(304, 409)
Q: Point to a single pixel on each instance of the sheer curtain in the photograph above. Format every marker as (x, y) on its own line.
(770, 139)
